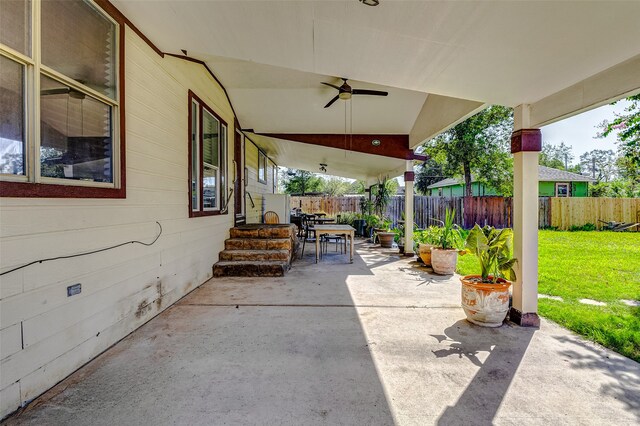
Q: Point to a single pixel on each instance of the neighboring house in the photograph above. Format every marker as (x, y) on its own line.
(551, 183)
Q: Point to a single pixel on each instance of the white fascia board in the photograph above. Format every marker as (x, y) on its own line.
(615, 83)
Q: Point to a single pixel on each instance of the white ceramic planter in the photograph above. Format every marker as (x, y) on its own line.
(443, 262)
(486, 305)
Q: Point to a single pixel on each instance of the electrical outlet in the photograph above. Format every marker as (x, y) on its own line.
(72, 290)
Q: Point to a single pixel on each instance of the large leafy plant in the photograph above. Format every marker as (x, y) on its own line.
(493, 248)
(450, 236)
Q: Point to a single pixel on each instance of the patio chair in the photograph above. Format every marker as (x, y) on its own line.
(308, 234)
(271, 217)
(337, 239)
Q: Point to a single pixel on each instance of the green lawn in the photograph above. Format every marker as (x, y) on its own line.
(603, 266)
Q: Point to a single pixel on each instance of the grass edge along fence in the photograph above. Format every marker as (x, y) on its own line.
(558, 212)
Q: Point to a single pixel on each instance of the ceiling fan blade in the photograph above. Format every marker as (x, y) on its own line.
(369, 92)
(330, 85)
(332, 101)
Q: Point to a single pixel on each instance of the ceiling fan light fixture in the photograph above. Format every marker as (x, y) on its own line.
(375, 142)
(344, 95)
(370, 2)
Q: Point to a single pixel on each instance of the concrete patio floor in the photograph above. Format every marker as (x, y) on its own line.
(377, 342)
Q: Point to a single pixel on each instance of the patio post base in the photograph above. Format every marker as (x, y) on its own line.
(527, 319)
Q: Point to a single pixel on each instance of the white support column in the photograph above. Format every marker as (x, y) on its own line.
(525, 146)
(408, 209)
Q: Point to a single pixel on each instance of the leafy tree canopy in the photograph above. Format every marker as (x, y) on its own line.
(557, 156)
(478, 146)
(626, 126)
(429, 172)
(599, 164)
(300, 182)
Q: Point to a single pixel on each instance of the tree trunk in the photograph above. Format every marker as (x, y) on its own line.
(467, 180)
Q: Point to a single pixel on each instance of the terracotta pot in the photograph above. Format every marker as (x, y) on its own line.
(485, 304)
(386, 239)
(443, 261)
(425, 253)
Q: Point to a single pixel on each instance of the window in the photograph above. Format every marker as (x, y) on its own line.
(262, 167)
(207, 160)
(275, 179)
(59, 100)
(562, 189)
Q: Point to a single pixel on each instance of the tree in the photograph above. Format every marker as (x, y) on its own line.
(356, 187)
(627, 129)
(478, 145)
(429, 173)
(335, 186)
(556, 156)
(300, 182)
(599, 164)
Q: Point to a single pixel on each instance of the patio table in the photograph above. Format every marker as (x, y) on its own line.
(323, 220)
(335, 229)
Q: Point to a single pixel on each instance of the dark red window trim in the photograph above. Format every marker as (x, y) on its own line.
(202, 106)
(45, 190)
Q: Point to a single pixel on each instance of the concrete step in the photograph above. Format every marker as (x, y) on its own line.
(254, 255)
(258, 244)
(269, 268)
(274, 231)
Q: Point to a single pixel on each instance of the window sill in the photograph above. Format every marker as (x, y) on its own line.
(207, 213)
(41, 190)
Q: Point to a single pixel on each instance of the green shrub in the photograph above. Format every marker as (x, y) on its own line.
(585, 227)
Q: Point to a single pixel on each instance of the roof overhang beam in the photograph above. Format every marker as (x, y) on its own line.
(610, 85)
(439, 114)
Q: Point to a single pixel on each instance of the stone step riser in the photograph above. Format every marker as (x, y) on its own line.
(254, 255)
(241, 269)
(257, 244)
(260, 233)
(257, 251)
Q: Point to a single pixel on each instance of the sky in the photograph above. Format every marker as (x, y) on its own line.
(580, 131)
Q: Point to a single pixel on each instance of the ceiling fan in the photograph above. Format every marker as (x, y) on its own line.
(345, 91)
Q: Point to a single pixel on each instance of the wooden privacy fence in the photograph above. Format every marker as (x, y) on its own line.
(427, 211)
(562, 213)
(567, 212)
(329, 205)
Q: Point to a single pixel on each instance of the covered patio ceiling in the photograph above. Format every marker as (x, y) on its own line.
(339, 162)
(440, 61)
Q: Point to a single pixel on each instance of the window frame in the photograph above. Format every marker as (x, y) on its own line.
(223, 158)
(32, 184)
(262, 167)
(275, 178)
(559, 184)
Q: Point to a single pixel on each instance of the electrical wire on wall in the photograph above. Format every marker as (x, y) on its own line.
(86, 253)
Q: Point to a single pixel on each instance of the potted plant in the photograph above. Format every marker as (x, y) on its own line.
(372, 222)
(424, 241)
(485, 297)
(398, 238)
(445, 255)
(384, 234)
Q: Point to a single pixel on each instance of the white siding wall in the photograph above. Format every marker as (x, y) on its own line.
(45, 335)
(255, 188)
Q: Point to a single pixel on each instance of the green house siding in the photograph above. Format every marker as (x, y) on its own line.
(579, 189)
(548, 189)
(477, 189)
(545, 189)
